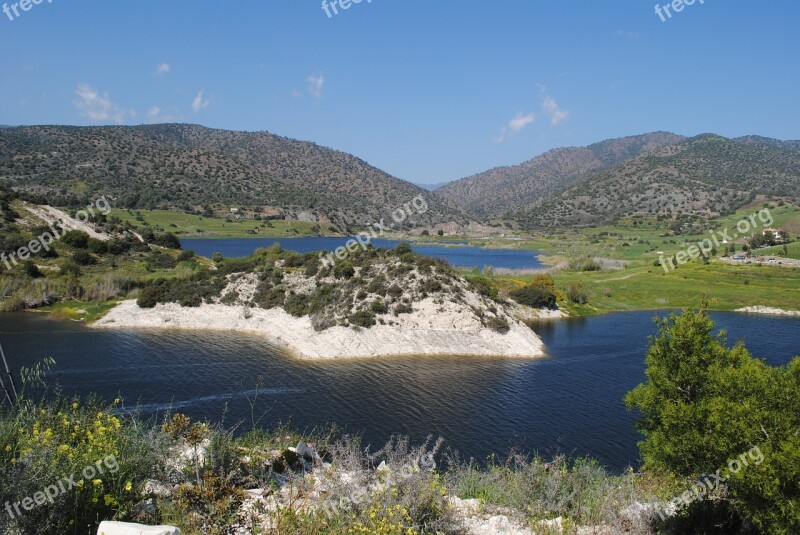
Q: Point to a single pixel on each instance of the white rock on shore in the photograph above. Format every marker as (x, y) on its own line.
(768, 311)
(432, 329)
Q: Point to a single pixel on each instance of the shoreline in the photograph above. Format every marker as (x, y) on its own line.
(768, 311)
(297, 337)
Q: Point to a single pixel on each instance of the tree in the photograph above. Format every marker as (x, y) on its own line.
(76, 238)
(705, 404)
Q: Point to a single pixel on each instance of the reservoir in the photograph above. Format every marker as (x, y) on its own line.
(459, 255)
(571, 402)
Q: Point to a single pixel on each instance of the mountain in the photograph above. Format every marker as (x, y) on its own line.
(707, 175)
(180, 166)
(776, 143)
(503, 189)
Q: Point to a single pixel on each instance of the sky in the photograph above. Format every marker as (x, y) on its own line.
(427, 90)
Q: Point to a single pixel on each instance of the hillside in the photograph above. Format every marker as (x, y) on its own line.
(503, 189)
(706, 176)
(193, 168)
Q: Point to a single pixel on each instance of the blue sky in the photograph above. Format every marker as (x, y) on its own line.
(428, 90)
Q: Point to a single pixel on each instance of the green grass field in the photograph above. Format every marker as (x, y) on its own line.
(643, 286)
(189, 225)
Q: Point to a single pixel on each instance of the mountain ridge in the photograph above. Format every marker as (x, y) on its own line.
(186, 167)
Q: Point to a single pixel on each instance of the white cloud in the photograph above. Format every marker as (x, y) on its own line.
(552, 110)
(162, 69)
(98, 107)
(315, 85)
(521, 121)
(515, 125)
(199, 103)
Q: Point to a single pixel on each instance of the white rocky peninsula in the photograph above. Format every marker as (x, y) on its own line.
(376, 303)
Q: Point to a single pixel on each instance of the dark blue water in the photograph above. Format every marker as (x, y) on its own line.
(458, 255)
(570, 402)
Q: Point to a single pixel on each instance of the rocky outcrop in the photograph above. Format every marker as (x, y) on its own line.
(125, 528)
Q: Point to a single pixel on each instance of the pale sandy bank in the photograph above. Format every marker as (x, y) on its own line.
(768, 311)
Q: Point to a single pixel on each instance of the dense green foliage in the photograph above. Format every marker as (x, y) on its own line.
(540, 293)
(704, 405)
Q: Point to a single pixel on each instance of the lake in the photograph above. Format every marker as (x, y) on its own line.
(570, 402)
(457, 254)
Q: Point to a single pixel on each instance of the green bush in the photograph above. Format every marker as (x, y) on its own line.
(158, 260)
(98, 247)
(402, 248)
(344, 270)
(483, 286)
(186, 255)
(294, 260)
(395, 291)
(269, 296)
(296, 304)
(76, 238)
(378, 307)
(83, 258)
(535, 296)
(70, 268)
(403, 308)
(148, 297)
(498, 324)
(431, 285)
(377, 286)
(577, 293)
(362, 318)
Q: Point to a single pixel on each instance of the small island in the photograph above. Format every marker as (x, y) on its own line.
(377, 302)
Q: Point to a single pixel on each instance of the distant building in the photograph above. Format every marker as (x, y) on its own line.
(780, 235)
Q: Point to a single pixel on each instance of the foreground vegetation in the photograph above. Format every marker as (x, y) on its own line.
(703, 406)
